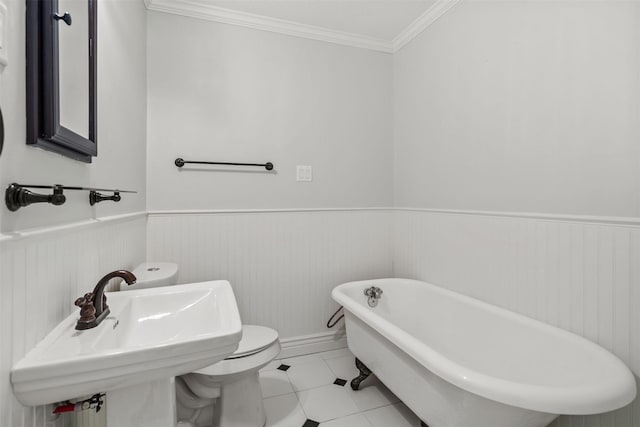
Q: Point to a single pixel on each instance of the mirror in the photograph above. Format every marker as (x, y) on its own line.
(61, 76)
(73, 70)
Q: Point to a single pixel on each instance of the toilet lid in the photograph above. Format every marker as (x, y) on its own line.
(254, 339)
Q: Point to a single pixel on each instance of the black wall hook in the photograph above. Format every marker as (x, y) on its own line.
(95, 197)
(66, 18)
(16, 197)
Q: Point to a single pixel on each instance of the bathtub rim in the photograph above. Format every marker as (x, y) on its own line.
(551, 399)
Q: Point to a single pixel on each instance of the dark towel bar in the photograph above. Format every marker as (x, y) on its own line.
(17, 196)
(181, 162)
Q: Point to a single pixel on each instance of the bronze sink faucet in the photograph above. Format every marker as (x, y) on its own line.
(93, 306)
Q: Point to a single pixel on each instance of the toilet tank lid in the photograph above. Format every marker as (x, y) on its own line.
(155, 271)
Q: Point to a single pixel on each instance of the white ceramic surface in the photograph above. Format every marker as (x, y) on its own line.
(235, 381)
(151, 334)
(446, 355)
(152, 275)
(152, 404)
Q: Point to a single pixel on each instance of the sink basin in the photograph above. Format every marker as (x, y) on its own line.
(150, 334)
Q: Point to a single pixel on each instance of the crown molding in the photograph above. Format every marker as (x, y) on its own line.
(202, 10)
(196, 9)
(431, 15)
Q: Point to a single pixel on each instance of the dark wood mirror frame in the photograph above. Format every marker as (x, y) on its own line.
(43, 89)
(1, 132)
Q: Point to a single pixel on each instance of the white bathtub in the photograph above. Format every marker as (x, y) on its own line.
(459, 362)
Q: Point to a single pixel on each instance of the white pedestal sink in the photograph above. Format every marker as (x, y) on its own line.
(151, 336)
(154, 405)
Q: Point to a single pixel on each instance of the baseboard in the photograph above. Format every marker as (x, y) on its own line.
(307, 344)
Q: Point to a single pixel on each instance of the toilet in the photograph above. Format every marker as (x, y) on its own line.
(227, 393)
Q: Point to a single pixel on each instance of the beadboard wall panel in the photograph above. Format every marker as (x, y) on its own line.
(282, 264)
(40, 277)
(583, 276)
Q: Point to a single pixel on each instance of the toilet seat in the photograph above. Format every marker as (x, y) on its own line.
(260, 347)
(254, 340)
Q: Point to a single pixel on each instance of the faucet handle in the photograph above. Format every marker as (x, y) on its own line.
(87, 309)
(373, 292)
(83, 300)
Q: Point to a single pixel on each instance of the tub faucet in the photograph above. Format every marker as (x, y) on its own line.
(374, 293)
(93, 306)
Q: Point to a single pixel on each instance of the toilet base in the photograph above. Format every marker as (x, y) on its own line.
(240, 403)
(234, 386)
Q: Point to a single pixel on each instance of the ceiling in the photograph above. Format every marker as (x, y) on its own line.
(378, 19)
(383, 25)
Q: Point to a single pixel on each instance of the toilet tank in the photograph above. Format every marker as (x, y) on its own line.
(153, 274)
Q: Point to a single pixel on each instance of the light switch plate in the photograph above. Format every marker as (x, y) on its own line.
(304, 173)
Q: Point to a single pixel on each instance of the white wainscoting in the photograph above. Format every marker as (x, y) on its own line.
(41, 274)
(282, 264)
(580, 274)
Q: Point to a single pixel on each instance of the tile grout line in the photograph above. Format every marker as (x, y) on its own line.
(362, 414)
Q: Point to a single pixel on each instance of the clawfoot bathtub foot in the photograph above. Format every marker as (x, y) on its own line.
(364, 373)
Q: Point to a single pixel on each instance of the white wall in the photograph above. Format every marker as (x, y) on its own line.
(477, 113)
(526, 107)
(51, 255)
(579, 275)
(121, 123)
(521, 106)
(282, 265)
(226, 93)
(42, 275)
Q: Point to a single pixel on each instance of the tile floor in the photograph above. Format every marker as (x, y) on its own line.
(305, 391)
